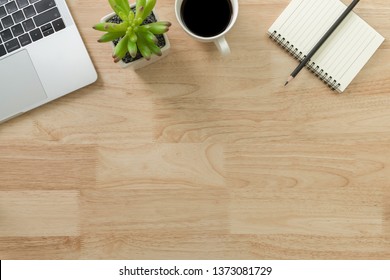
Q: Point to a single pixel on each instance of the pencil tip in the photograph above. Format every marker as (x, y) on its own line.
(289, 79)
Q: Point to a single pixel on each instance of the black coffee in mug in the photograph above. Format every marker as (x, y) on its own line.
(206, 18)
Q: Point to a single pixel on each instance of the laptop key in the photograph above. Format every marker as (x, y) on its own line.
(44, 5)
(12, 45)
(29, 11)
(17, 30)
(36, 34)
(22, 3)
(47, 29)
(3, 13)
(18, 16)
(58, 24)
(11, 7)
(2, 51)
(46, 17)
(6, 35)
(24, 39)
(3, 2)
(28, 25)
(7, 21)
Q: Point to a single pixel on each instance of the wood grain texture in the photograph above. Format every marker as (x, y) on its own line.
(201, 157)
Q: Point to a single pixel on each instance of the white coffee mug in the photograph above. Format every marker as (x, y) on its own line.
(219, 39)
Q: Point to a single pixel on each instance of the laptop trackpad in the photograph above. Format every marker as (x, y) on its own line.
(20, 87)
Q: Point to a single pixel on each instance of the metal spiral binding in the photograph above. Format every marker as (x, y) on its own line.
(298, 55)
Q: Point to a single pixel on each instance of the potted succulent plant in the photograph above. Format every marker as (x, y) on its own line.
(138, 37)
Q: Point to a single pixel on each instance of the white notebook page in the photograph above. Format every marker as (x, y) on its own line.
(343, 55)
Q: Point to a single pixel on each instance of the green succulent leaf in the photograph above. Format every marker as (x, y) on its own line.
(116, 7)
(140, 4)
(108, 37)
(166, 23)
(120, 7)
(149, 36)
(154, 48)
(111, 27)
(123, 16)
(125, 5)
(157, 27)
(148, 8)
(120, 49)
(132, 48)
(131, 16)
(99, 26)
(143, 48)
(133, 37)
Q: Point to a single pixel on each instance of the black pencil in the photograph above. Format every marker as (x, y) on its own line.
(322, 41)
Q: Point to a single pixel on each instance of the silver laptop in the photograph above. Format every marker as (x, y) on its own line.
(42, 56)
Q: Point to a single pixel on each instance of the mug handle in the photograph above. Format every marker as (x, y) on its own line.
(222, 45)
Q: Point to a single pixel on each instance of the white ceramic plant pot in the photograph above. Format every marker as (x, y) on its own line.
(142, 62)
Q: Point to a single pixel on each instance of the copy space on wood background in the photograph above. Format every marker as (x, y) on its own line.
(201, 157)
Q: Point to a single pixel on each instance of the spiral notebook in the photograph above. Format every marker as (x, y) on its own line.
(303, 23)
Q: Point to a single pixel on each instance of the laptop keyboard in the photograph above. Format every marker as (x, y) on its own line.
(23, 22)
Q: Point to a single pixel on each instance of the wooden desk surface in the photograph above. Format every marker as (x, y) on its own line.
(200, 157)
